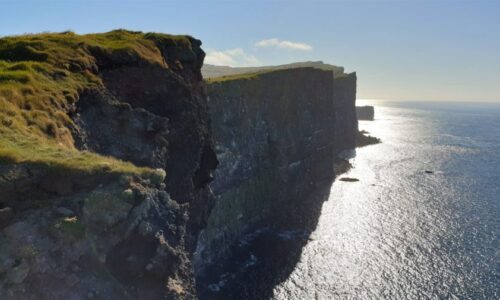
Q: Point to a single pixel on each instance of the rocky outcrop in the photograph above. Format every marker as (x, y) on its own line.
(363, 138)
(120, 239)
(274, 135)
(366, 113)
(67, 234)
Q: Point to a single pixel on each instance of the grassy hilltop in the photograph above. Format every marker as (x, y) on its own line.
(41, 78)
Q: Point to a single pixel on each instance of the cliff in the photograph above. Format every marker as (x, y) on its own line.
(274, 133)
(344, 94)
(345, 112)
(366, 112)
(90, 124)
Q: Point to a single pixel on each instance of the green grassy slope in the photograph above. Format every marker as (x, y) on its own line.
(41, 77)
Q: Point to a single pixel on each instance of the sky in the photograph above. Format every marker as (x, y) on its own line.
(441, 50)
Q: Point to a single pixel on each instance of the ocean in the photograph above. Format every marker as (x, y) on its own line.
(422, 222)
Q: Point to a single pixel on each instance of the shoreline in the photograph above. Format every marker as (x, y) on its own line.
(251, 270)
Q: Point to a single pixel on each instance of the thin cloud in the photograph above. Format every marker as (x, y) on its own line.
(276, 43)
(233, 57)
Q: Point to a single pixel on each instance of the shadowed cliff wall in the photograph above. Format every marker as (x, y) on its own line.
(345, 116)
(366, 113)
(274, 134)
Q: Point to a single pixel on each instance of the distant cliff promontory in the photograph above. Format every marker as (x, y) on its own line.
(277, 132)
(366, 113)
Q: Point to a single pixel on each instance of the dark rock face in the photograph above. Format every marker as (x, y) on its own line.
(345, 117)
(366, 113)
(274, 138)
(122, 238)
(344, 95)
(103, 120)
(115, 238)
(168, 127)
(157, 117)
(364, 139)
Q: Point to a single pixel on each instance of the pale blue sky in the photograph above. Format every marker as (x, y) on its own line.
(414, 50)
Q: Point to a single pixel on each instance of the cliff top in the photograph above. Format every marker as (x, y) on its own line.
(259, 73)
(243, 76)
(41, 77)
(212, 71)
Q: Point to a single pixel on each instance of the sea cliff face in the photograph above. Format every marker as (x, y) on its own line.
(345, 113)
(366, 113)
(276, 139)
(344, 95)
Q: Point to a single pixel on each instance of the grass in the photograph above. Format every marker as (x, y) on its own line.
(253, 75)
(41, 77)
(30, 150)
(245, 76)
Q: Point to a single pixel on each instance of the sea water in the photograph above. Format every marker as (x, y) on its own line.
(422, 222)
